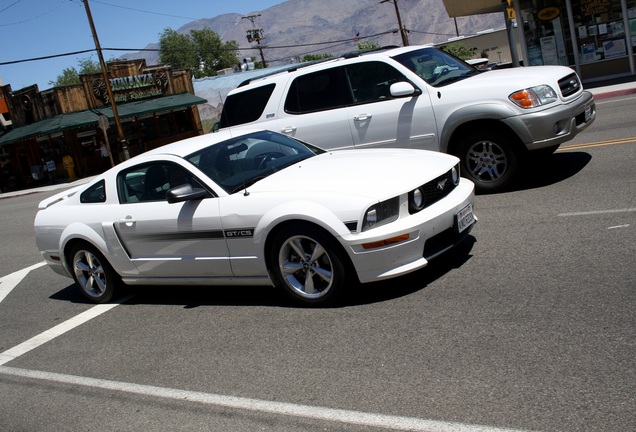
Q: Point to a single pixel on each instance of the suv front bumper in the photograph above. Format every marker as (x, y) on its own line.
(556, 125)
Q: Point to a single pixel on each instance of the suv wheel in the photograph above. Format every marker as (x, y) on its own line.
(488, 159)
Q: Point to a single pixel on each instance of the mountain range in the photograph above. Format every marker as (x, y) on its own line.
(295, 28)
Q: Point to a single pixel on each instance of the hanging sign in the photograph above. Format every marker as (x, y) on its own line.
(548, 13)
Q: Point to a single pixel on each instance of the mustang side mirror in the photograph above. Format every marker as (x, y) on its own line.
(185, 192)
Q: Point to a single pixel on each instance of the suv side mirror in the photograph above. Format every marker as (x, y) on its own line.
(403, 88)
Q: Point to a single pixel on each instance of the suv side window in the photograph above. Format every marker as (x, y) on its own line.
(318, 91)
(245, 107)
(371, 81)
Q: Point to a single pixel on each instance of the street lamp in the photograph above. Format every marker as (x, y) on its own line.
(405, 40)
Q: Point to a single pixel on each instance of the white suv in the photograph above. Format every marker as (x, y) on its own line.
(421, 97)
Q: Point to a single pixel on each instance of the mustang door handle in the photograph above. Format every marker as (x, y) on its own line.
(288, 129)
(362, 117)
(128, 221)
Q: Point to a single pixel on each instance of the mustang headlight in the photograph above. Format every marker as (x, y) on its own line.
(534, 96)
(381, 213)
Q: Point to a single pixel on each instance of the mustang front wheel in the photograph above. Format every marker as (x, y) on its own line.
(93, 274)
(307, 263)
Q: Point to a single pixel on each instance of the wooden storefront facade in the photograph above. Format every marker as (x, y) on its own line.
(44, 134)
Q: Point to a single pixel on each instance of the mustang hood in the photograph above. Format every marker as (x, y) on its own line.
(382, 172)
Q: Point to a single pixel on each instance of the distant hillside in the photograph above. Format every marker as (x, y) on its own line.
(300, 27)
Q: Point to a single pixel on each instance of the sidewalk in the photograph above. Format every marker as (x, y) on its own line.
(600, 90)
(613, 88)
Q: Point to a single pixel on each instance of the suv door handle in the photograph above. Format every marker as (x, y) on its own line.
(288, 129)
(362, 117)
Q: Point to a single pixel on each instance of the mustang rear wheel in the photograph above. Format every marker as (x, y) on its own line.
(93, 274)
(489, 160)
(308, 264)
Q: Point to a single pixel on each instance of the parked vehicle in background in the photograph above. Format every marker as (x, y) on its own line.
(256, 209)
(421, 97)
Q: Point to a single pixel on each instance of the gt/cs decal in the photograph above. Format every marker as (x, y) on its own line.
(243, 232)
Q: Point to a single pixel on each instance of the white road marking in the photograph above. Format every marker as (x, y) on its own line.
(8, 282)
(618, 226)
(386, 422)
(60, 329)
(597, 212)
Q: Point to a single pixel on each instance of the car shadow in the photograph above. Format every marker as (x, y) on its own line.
(410, 283)
(190, 297)
(538, 172)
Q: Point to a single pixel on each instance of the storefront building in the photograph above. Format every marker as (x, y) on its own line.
(594, 37)
(55, 135)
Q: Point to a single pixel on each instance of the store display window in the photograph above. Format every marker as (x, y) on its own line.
(600, 29)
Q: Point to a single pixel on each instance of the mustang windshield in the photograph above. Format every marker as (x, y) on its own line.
(240, 162)
(436, 67)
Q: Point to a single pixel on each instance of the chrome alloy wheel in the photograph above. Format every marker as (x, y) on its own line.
(89, 273)
(93, 274)
(306, 267)
(487, 161)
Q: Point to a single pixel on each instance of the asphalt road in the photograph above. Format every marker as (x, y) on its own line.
(530, 326)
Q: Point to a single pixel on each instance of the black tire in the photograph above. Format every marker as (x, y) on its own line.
(489, 159)
(92, 273)
(308, 264)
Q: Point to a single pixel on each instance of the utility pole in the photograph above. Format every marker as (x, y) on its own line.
(405, 40)
(256, 35)
(120, 132)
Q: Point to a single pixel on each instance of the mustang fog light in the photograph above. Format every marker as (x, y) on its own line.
(416, 200)
(455, 174)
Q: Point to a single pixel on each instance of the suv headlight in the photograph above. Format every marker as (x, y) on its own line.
(534, 96)
(381, 213)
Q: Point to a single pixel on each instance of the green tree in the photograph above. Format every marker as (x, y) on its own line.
(70, 75)
(315, 57)
(367, 45)
(201, 51)
(459, 50)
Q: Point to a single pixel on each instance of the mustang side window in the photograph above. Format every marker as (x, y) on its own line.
(150, 182)
(94, 194)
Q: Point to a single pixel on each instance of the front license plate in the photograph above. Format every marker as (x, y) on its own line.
(465, 218)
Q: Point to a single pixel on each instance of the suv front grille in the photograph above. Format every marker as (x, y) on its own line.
(569, 85)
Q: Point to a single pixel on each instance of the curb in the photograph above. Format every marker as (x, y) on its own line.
(611, 94)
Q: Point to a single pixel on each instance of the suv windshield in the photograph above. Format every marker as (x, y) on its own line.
(240, 162)
(436, 67)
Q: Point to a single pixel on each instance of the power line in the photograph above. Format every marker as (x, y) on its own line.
(32, 18)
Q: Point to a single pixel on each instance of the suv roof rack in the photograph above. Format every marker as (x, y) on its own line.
(358, 53)
(290, 68)
(294, 67)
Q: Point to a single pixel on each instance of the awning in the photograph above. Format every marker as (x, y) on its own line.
(459, 8)
(90, 117)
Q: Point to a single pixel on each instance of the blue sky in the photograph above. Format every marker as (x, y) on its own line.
(40, 28)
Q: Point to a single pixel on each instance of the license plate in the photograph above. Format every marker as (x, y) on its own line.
(465, 218)
(588, 113)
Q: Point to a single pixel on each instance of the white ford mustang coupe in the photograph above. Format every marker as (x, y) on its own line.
(258, 208)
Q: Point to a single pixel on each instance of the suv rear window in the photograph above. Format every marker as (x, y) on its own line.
(245, 107)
